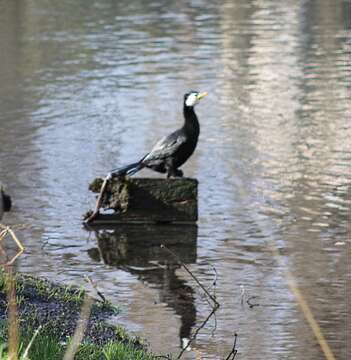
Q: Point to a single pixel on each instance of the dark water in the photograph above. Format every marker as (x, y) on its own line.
(88, 85)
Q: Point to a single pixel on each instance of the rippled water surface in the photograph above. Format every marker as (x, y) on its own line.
(89, 85)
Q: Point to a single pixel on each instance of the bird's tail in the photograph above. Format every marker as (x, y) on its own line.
(129, 170)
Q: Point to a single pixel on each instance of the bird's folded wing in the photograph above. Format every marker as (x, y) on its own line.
(166, 147)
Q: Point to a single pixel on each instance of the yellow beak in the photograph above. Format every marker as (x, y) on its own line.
(201, 95)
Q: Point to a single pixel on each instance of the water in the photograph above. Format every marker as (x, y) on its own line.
(89, 85)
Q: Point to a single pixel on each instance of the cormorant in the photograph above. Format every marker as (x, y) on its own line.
(174, 150)
(5, 202)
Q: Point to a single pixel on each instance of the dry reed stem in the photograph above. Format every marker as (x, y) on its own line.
(93, 284)
(26, 352)
(13, 333)
(317, 331)
(12, 314)
(5, 231)
(80, 328)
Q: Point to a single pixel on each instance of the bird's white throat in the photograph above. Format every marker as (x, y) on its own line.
(191, 99)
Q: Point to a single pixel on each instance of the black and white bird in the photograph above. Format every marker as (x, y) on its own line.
(5, 202)
(172, 151)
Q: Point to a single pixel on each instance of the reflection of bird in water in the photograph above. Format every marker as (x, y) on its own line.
(124, 247)
(174, 150)
(5, 202)
(177, 294)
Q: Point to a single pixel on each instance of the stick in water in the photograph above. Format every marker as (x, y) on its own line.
(192, 275)
(99, 200)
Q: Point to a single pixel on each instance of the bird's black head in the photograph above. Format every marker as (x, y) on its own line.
(193, 97)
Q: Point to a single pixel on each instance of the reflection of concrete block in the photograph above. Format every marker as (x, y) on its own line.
(135, 248)
(138, 245)
(148, 200)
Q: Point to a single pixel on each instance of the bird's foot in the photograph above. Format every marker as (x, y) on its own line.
(178, 173)
(175, 173)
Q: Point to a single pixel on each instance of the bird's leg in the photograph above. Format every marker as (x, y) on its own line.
(172, 171)
(169, 173)
(169, 168)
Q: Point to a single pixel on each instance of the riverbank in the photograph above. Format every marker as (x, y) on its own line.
(55, 311)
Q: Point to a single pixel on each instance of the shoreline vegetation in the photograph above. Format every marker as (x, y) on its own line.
(50, 321)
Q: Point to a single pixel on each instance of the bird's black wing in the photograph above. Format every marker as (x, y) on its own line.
(165, 148)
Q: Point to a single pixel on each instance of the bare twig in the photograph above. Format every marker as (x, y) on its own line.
(242, 293)
(99, 200)
(196, 332)
(215, 325)
(214, 282)
(216, 303)
(233, 352)
(248, 301)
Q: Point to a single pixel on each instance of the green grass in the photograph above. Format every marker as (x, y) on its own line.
(43, 288)
(48, 346)
(27, 285)
(56, 309)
